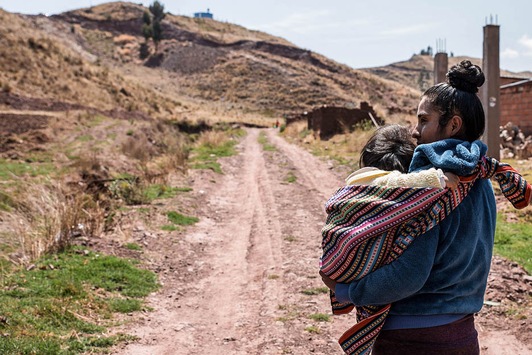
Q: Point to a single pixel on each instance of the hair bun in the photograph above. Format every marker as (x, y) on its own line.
(465, 76)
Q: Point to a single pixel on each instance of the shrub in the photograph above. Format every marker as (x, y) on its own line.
(47, 217)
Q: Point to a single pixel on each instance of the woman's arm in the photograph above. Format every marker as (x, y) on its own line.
(397, 280)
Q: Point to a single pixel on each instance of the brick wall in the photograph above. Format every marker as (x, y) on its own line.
(516, 106)
(505, 80)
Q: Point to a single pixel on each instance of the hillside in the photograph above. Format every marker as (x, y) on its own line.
(418, 71)
(221, 65)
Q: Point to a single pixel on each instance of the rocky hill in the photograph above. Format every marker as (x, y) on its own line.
(418, 71)
(98, 57)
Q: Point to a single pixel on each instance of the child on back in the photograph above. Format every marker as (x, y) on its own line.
(385, 159)
(382, 210)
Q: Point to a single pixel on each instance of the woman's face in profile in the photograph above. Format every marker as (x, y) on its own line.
(428, 129)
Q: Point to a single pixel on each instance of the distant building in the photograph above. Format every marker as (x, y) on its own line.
(326, 121)
(203, 14)
(516, 102)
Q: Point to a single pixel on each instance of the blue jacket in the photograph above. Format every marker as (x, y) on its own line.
(443, 274)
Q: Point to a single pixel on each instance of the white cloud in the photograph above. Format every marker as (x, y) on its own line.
(509, 53)
(312, 22)
(407, 30)
(526, 42)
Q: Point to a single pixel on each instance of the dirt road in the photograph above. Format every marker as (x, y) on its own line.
(244, 279)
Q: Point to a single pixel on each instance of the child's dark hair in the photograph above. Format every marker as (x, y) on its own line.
(458, 96)
(389, 148)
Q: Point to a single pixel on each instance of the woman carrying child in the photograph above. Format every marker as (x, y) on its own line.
(437, 284)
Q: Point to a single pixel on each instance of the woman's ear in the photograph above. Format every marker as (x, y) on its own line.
(456, 125)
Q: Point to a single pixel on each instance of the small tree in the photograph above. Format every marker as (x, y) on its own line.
(151, 23)
(147, 29)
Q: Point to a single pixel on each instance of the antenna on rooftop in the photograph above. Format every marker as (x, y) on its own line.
(491, 21)
(441, 45)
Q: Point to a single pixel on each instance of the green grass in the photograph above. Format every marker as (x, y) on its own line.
(266, 146)
(179, 219)
(133, 246)
(19, 168)
(133, 192)
(312, 329)
(63, 304)
(85, 138)
(212, 165)
(315, 291)
(94, 121)
(290, 178)
(205, 156)
(169, 227)
(6, 202)
(207, 152)
(159, 191)
(126, 305)
(514, 240)
(291, 313)
(320, 317)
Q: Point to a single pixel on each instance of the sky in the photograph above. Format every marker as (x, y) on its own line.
(359, 33)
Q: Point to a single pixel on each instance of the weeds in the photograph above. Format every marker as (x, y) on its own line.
(179, 219)
(133, 246)
(69, 293)
(315, 291)
(320, 317)
(290, 178)
(513, 240)
(290, 238)
(291, 313)
(210, 146)
(47, 217)
(15, 169)
(266, 146)
(312, 329)
(132, 191)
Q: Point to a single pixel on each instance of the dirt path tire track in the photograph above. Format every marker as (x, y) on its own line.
(234, 283)
(255, 249)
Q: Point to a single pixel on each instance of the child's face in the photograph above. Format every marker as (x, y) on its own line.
(428, 129)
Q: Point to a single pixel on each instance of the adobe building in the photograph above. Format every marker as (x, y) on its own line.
(516, 102)
(326, 121)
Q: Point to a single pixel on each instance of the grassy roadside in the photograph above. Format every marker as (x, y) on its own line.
(54, 297)
(513, 239)
(211, 145)
(63, 303)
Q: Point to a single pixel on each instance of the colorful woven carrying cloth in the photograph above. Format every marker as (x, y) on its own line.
(370, 226)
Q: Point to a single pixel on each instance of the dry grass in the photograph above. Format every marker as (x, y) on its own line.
(160, 149)
(343, 148)
(46, 218)
(212, 138)
(138, 147)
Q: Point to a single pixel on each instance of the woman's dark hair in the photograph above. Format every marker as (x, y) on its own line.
(389, 148)
(458, 96)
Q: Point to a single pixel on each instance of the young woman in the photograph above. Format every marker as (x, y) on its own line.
(438, 283)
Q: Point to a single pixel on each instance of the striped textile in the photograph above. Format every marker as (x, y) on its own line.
(370, 226)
